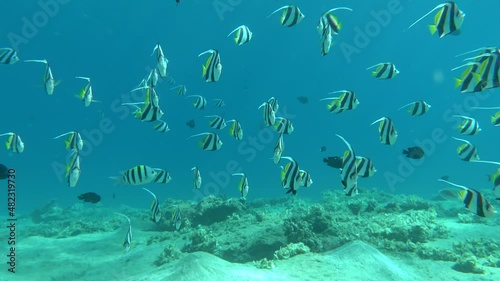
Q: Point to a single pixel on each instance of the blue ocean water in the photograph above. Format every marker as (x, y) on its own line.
(111, 42)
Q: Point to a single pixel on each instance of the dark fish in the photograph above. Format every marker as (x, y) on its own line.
(322, 149)
(3, 172)
(177, 1)
(191, 124)
(333, 161)
(90, 197)
(415, 152)
(303, 99)
(445, 178)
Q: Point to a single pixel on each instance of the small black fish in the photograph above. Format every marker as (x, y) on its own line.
(191, 124)
(177, 1)
(445, 178)
(303, 99)
(90, 197)
(334, 161)
(322, 149)
(415, 152)
(3, 172)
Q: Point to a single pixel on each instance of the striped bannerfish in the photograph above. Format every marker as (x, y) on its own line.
(137, 175)
(74, 140)
(155, 207)
(219, 103)
(346, 101)
(474, 201)
(148, 112)
(326, 41)
(349, 171)
(279, 148)
(128, 236)
(196, 177)
(469, 81)
(481, 73)
(385, 70)
(86, 94)
(152, 80)
(181, 90)
(8, 56)
(273, 102)
(210, 142)
(467, 151)
(417, 108)
(176, 218)
(448, 20)
(365, 167)
(48, 78)
(199, 103)
(14, 143)
(243, 185)
(290, 176)
(329, 21)
(305, 178)
(217, 122)
(495, 179)
(161, 60)
(235, 130)
(283, 126)
(243, 35)
(162, 176)
(290, 16)
(387, 132)
(73, 170)
(469, 126)
(212, 68)
(161, 126)
(269, 114)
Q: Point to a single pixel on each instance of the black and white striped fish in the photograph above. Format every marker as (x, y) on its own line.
(210, 141)
(474, 201)
(387, 131)
(268, 114)
(283, 126)
(417, 108)
(273, 102)
(73, 170)
(161, 126)
(243, 185)
(8, 56)
(217, 122)
(349, 170)
(49, 82)
(86, 94)
(279, 148)
(176, 219)
(305, 178)
(196, 177)
(290, 176)
(467, 151)
(155, 207)
(128, 237)
(326, 41)
(346, 101)
(74, 140)
(291, 15)
(469, 125)
(181, 90)
(212, 68)
(148, 112)
(384, 70)
(162, 176)
(161, 60)
(365, 167)
(14, 142)
(243, 35)
(235, 130)
(330, 21)
(137, 175)
(448, 20)
(199, 103)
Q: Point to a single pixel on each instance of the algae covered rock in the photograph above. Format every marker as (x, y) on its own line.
(170, 253)
(468, 264)
(216, 209)
(291, 250)
(203, 240)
